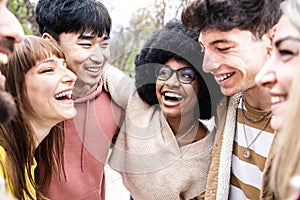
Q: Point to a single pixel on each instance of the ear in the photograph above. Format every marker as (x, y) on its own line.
(47, 36)
(270, 37)
(271, 33)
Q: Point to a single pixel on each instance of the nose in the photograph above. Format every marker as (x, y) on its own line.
(267, 75)
(100, 55)
(210, 63)
(10, 27)
(172, 81)
(68, 76)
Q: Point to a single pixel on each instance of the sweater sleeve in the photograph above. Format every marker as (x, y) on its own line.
(118, 84)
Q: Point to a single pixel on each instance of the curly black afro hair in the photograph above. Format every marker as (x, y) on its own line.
(171, 41)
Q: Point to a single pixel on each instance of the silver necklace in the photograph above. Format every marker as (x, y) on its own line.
(182, 136)
(249, 118)
(246, 152)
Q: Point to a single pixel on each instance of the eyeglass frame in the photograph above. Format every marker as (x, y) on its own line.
(159, 67)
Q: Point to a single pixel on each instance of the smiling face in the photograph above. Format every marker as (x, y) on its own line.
(10, 31)
(278, 74)
(234, 58)
(177, 99)
(48, 88)
(86, 55)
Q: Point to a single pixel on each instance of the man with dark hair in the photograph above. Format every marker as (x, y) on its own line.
(10, 32)
(236, 36)
(82, 28)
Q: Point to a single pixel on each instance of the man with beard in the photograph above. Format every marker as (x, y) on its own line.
(10, 32)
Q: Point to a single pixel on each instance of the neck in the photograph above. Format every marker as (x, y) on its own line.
(182, 124)
(80, 88)
(41, 129)
(258, 98)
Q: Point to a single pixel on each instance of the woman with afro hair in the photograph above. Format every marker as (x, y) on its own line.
(163, 150)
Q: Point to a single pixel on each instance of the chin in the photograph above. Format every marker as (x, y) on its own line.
(227, 92)
(276, 123)
(172, 115)
(70, 114)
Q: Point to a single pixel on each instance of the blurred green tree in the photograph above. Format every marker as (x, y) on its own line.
(24, 11)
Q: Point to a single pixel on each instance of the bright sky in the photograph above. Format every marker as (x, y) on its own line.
(121, 10)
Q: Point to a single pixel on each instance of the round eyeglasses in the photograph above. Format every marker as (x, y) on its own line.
(185, 75)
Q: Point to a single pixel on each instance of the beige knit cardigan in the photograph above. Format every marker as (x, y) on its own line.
(147, 154)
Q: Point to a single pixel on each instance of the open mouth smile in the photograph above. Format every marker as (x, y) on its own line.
(277, 99)
(171, 96)
(223, 76)
(66, 95)
(93, 69)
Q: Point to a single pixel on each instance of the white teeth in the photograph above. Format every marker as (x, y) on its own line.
(223, 77)
(3, 58)
(93, 69)
(277, 99)
(174, 95)
(62, 94)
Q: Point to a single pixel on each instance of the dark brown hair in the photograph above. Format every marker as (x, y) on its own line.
(256, 16)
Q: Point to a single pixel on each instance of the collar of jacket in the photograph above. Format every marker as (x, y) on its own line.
(226, 148)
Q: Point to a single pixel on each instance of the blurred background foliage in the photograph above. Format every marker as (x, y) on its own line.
(24, 11)
(125, 42)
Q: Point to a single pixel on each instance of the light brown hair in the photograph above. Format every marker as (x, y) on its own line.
(17, 137)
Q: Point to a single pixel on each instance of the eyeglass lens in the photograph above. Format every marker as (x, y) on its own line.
(184, 75)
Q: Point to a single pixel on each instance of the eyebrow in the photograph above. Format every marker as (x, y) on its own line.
(221, 41)
(86, 37)
(49, 60)
(278, 42)
(89, 37)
